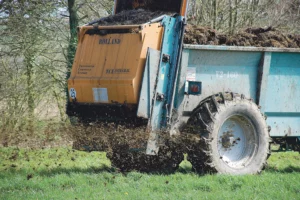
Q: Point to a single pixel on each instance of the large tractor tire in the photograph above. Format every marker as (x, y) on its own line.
(234, 136)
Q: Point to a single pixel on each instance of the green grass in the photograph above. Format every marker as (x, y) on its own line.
(65, 174)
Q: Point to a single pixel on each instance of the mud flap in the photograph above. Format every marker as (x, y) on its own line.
(147, 95)
(152, 145)
(148, 84)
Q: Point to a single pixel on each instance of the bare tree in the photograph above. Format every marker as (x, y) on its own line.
(31, 58)
(231, 15)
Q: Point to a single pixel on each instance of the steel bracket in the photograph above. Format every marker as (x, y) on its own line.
(160, 97)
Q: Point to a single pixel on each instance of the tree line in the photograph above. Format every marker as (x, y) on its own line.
(37, 47)
(229, 16)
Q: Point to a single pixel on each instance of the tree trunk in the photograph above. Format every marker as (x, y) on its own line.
(230, 17)
(235, 13)
(254, 8)
(30, 92)
(215, 13)
(73, 21)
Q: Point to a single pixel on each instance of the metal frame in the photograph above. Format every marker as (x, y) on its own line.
(239, 48)
(111, 27)
(166, 78)
(269, 76)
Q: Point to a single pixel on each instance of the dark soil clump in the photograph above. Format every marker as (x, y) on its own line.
(130, 17)
(257, 37)
(154, 5)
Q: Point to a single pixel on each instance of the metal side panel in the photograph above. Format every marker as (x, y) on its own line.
(282, 105)
(149, 79)
(263, 82)
(284, 124)
(283, 86)
(219, 71)
(270, 76)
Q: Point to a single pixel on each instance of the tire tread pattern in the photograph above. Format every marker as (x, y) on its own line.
(202, 122)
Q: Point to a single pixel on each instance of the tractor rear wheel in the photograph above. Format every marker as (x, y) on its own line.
(234, 136)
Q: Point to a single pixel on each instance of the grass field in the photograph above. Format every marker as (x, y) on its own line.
(65, 174)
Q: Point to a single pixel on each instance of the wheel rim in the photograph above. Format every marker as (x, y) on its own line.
(237, 141)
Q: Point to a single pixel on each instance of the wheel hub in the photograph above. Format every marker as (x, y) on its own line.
(236, 141)
(228, 140)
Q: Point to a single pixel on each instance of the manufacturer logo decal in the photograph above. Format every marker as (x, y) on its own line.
(85, 69)
(110, 41)
(117, 71)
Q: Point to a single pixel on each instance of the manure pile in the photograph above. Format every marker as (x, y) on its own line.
(130, 17)
(257, 37)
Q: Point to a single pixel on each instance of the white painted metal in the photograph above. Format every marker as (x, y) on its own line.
(237, 140)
